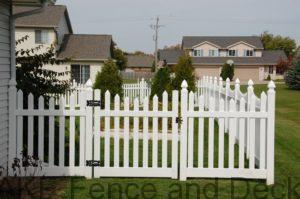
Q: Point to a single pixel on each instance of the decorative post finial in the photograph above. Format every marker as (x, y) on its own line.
(271, 85)
(250, 83)
(89, 84)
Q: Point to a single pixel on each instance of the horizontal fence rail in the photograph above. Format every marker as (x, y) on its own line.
(216, 132)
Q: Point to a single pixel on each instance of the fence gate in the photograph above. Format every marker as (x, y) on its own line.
(136, 141)
(215, 139)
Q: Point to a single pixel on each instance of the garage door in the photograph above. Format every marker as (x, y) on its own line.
(244, 74)
(206, 71)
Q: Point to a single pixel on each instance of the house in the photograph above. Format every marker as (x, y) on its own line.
(86, 54)
(7, 67)
(140, 63)
(210, 53)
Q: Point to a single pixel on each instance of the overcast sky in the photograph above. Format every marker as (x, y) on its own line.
(128, 21)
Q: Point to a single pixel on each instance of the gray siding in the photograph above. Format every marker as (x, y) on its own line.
(5, 11)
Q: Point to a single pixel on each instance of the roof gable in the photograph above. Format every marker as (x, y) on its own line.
(223, 41)
(49, 18)
(240, 42)
(206, 42)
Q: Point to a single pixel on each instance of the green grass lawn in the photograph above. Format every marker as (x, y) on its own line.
(287, 164)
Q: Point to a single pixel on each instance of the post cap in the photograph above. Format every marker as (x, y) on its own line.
(271, 85)
(237, 81)
(184, 84)
(250, 82)
(89, 84)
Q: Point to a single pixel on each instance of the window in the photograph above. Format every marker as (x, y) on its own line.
(80, 73)
(248, 53)
(232, 53)
(270, 69)
(213, 53)
(41, 37)
(198, 53)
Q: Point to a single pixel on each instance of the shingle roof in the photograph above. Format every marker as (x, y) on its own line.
(268, 58)
(86, 47)
(222, 41)
(140, 61)
(49, 18)
(170, 56)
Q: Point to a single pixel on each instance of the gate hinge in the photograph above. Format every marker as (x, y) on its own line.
(178, 120)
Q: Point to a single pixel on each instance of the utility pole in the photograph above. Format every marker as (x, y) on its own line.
(156, 27)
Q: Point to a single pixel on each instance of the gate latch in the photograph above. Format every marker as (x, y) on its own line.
(93, 163)
(93, 103)
(178, 120)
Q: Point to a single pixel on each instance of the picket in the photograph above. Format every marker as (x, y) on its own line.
(191, 131)
(72, 133)
(165, 132)
(51, 133)
(145, 134)
(155, 133)
(116, 132)
(126, 134)
(61, 133)
(221, 136)
(135, 135)
(41, 130)
(107, 131)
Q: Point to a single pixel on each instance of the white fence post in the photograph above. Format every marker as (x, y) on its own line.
(183, 132)
(89, 126)
(12, 124)
(271, 133)
(249, 96)
(227, 99)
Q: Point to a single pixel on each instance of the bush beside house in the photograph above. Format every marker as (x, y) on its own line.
(184, 70)
(109, 79)
(293, 77)
(161, 82)
(227, 71)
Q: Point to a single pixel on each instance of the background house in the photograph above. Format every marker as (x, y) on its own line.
(87, 53)
(210, 53)
(139, 63)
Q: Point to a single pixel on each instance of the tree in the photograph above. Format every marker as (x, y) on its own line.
(161, 82)
(297, 54)
(227, 71)
(119, 56)
(184, 71)
(32, 77)
(284, 65)
(173, 47)
(293, 77)
(278, 42)
(109, 79)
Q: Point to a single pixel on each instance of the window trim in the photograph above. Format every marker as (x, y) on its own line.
(82, 77)
(247, 53)
(44, 36)
(198, 53)
(235, 53)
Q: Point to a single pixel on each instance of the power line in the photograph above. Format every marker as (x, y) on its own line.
(156, 28)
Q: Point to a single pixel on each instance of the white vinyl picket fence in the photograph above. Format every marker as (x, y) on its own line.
(138, 90)
(216, 133)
